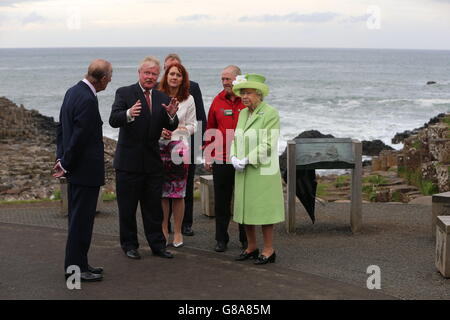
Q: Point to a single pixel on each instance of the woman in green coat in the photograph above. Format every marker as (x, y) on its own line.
(258, 194)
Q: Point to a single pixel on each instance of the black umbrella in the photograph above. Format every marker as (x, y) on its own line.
(305, 189)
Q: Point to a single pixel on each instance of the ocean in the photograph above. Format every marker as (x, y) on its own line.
(363, 94)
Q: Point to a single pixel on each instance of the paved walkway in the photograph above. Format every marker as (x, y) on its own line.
(321, 261)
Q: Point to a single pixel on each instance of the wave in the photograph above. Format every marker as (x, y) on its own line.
(432, 102)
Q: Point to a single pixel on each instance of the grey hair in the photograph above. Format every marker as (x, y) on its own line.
(98, 69)
(150, 60)
(234, 69)
(173, 56)
(260, 94)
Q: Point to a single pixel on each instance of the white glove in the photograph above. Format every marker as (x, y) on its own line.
(237, 164)
(244, 162)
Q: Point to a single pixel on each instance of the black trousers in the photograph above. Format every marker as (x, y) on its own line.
(144, 188)
(188, 218)
(223, 175)
(82, 203)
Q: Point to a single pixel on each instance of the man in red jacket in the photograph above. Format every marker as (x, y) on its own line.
(222, 117)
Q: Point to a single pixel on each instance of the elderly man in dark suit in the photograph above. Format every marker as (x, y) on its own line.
(194, 90)
(80, 157)
(141, 112)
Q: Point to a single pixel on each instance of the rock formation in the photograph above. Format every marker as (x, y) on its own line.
(27, 153)
(424, 161)
(401, 136)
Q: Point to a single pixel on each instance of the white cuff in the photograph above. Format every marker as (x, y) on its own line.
(129, 117)
(59, 160)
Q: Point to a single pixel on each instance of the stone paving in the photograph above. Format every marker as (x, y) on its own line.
(395, 237)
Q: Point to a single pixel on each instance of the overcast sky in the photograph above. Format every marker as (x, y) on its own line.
(405, 24)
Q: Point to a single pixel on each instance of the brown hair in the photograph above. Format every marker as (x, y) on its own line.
(183, 90)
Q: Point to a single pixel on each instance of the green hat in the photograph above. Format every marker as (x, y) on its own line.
(250, 81)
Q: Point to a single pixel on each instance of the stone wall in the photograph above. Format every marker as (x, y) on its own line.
(27, 154)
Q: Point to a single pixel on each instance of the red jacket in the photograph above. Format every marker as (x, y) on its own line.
(223, 114)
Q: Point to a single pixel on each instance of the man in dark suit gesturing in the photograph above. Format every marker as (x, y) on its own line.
(141, 112)
(80, 157)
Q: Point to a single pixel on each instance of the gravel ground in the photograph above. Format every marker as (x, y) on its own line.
(395, 237)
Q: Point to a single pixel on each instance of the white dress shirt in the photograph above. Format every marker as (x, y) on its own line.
(90, 86)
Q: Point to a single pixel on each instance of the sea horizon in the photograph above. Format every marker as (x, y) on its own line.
(358, 93)
(236, 47)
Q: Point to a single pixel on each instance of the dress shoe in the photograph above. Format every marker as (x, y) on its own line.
(177, 245)
(248, 255)
(187, 231)
(163, 254)
(96, 270)
(133, 254)
(90, 277)
(262, 259)
(220, 246)
(87, 276)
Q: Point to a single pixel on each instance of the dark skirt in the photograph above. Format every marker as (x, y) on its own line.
(176, 169)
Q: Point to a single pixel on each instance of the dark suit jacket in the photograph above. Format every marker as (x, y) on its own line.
(138, 146)
(195, 92)
(80, 137)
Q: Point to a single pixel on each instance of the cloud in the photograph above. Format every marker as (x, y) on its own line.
(12, 3)
(33, 18)
(194, 17)
(318, 17)
(356, 19)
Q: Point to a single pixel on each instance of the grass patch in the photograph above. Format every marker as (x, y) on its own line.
(322, 189)
(414, 177)
(376, 179)
(428, 188)
(373, 196)
(446, 120)
(342, 181)
(109, 196)
(56, 195)
(26, 201)
(371, 186)
(396, 196)
(370, 191)
(417, 145)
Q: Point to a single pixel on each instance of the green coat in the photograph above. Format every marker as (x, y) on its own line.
(258, 193)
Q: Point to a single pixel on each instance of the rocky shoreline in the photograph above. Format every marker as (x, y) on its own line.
(27, 154)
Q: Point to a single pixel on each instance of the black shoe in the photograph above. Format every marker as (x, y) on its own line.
(187, 231)
(133, 254)
(90, 277)
(163, 254)
(87, 276)
(221, 246)
(244, 245)
(96, 270)
(263, 259)
(248, 255)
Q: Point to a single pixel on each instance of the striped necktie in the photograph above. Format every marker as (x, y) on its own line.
(149, 101)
